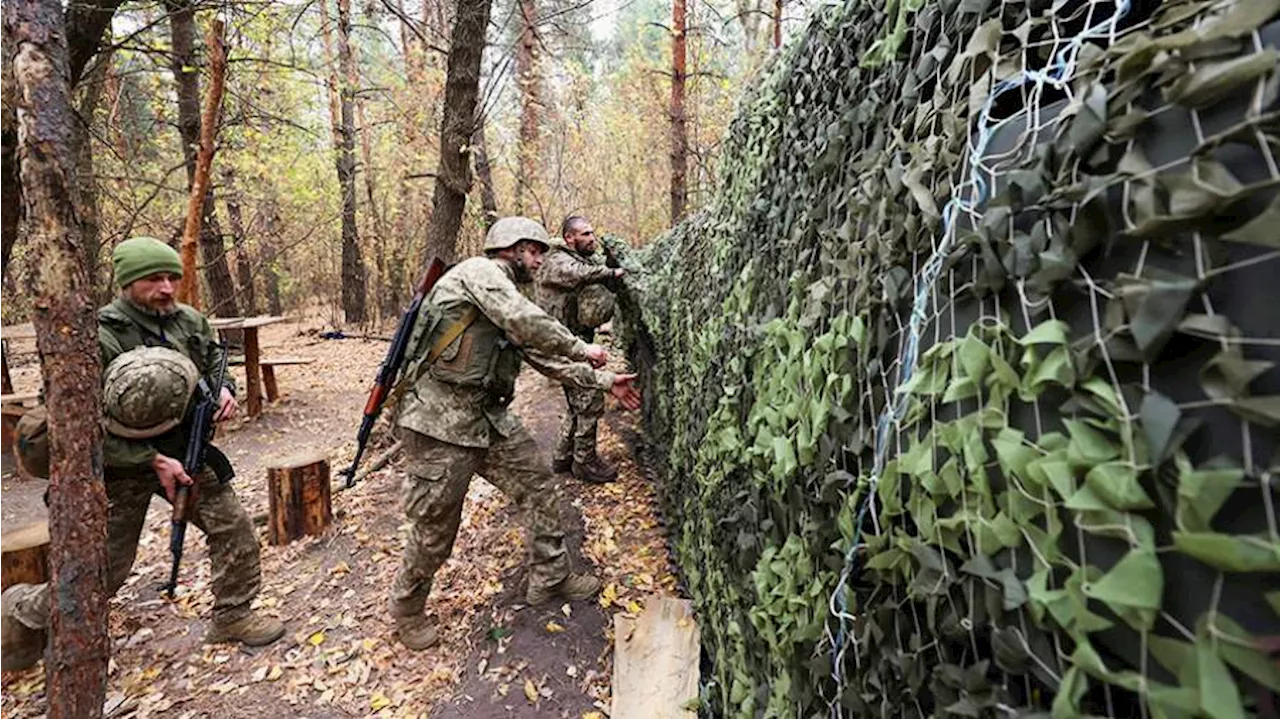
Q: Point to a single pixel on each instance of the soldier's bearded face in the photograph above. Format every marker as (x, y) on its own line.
(157, 292)
(582, 238)
(528, 258)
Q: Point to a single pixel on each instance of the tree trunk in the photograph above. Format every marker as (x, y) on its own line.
(457, 124)
(10, 187)
(182, 26)
(371, 196)
(244, 267)
(528, 80)
(86, 184)
(777, 23)
(488, 198)
(342, 78)
(67, 339)
(269, 240)
(679, 138)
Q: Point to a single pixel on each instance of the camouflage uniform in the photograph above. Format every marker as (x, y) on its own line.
(564, 274)
(130, 482)
(455, 422)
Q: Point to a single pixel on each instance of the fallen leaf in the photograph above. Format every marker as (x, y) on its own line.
(593, 715)
(566, 610)
(316, 639)
(634, 607)
(554, 628)
(530, 691)
(379, 701)
(275, 673)
(609, 594)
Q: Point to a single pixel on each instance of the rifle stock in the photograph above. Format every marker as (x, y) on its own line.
(390, 368)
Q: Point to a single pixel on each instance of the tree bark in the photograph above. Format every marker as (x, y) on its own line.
(67, 338)
(343, 77)
(457, 124)
(87, 21)
(86, 182)
(244, 266)
(679, 136)
(269, 240)
(217, 273)
(488, 198)
(777, 23)
(298, 498)
(528, 81)
(10, 187)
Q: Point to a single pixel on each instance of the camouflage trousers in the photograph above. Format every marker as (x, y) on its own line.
(435, 488)
(578, 430)
(233, 546)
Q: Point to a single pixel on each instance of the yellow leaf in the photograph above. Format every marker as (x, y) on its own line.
(379, 701)
(340, 568)
(634, 607)
(275, 673)
(593, 715)
(554, 628)
(609, 594)
(530, 691)
(316, 639)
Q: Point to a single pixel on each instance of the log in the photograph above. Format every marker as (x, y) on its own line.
(655, 661)
(299, 497)
(24, 555)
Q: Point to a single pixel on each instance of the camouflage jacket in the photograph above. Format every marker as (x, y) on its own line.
(564, 273)
(461, 415)
(122, 327)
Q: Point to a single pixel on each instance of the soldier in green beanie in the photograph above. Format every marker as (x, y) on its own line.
(139, 464)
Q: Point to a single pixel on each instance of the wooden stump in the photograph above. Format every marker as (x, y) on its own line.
(299, 498)
(24, 555)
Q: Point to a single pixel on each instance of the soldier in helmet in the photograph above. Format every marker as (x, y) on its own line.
(571, 289)
(154, 351)
(473, 333)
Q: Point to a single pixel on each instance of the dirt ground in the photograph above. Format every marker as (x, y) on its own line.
(497, 657)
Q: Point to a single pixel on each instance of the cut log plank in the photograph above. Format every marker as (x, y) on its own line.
(24, 555)
(299, 497)
(655, 661)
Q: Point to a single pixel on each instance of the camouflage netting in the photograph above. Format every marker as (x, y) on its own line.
(963, 387)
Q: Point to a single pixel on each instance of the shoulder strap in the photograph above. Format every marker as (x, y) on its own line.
(448, 336)
(454, 332)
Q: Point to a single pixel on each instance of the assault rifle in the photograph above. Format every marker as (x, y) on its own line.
(198, 450)
(391, 366)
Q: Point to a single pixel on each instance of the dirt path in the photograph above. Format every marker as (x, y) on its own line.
(339, 658)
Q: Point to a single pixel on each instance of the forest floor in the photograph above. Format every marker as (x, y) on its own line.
(497, 657)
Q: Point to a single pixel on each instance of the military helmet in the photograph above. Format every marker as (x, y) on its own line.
(509, 230)
(146, 391)
(595, 306)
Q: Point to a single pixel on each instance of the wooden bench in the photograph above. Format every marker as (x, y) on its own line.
(268, 365)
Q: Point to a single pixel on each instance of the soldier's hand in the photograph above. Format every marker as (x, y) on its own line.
(625, 391)
(171, 474)
(597, 356)
(226, 406)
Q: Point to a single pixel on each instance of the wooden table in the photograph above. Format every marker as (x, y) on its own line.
(252, 353)
(24, 331)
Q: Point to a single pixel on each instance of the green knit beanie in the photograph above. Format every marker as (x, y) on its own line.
(138, 257)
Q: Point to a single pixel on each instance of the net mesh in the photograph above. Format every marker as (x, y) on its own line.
(964, 386)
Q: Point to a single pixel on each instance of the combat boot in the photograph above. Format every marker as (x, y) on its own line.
(573, 588)
(20, 646)
(417, 632)
(595, 471)
(251, 630)
(560, 466)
